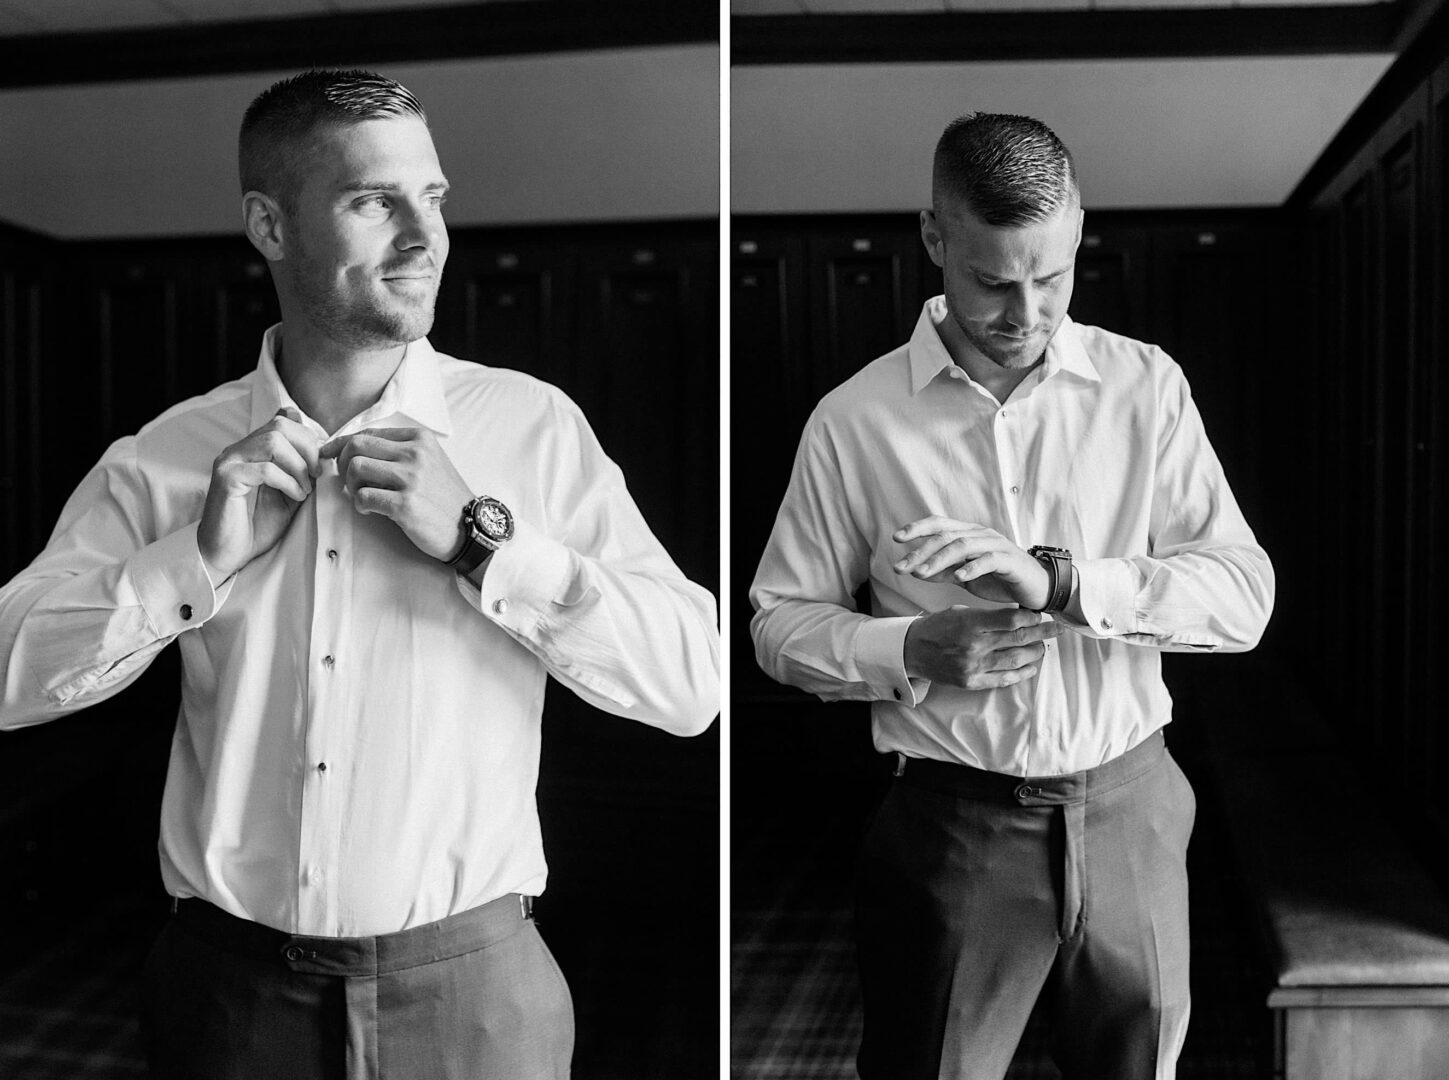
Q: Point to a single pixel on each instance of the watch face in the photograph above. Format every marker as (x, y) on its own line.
(493, 520)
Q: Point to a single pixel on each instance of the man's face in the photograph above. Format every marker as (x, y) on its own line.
(366, 243)
(1007, 287)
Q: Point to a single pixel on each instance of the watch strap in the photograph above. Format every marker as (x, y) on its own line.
(1058, 564)
(471, 556)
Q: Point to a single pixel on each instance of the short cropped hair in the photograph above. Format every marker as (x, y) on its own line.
(285, 120)
(1009, 170)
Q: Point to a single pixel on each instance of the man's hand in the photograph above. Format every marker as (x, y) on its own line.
(256, 486)
(976, 649)
(404, 475)
(980, 559)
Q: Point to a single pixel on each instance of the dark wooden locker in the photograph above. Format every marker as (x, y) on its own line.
(1209, 297)
(1111, 278)
(239, 304)
(866, 293)
(508, 302)
(23, 264)
(769, 395)
(1399, 152)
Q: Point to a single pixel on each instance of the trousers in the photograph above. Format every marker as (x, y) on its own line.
(980, 894)
(475, 996)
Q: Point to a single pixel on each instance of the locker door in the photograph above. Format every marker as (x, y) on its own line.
(508, 302)
(1396, 516)
(865, 296)
(769, 378)
(1109, 290)
(21, 334)
(238, 305)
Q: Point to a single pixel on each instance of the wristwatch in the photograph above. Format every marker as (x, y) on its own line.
(487, 525)
(1058, 563)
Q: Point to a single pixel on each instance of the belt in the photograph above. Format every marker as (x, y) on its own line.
(966, 782)
(462, 933)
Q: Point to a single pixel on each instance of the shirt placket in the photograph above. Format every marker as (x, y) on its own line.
(1045, 740)
(327, 729)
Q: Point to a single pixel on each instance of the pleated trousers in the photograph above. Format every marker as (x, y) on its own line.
(476, 996)
(980, 893)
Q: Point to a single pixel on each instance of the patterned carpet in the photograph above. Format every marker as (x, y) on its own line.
(795, 1005)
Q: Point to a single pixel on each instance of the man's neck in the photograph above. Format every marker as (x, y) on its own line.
(1000, 382)
(332, 383)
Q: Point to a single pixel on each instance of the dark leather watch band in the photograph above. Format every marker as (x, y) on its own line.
(1058, 563)
(470, 557)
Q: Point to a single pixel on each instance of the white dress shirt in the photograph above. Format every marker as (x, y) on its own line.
(357, 746)
(1100, 450)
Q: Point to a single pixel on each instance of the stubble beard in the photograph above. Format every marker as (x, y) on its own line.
(1009, 360)
(364, 320)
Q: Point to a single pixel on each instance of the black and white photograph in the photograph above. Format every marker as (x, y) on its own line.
(360, 573)
(1084, 631)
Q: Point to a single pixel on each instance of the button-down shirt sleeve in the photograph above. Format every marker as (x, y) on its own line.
(806, 628)
(1205, 583)
(107, 594)
(595, 597)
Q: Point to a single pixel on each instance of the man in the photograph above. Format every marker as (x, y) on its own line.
(371, 555)
(1034, 841)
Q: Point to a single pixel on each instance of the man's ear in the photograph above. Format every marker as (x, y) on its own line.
(931, 237)
(264, 224)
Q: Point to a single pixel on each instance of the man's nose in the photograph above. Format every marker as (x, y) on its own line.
(418, 228)
(1021, 307)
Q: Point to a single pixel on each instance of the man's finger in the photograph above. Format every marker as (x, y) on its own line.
(928, 526)
(334, 446)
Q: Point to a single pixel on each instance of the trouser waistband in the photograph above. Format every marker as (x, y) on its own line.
(964, 781)
(462, 933)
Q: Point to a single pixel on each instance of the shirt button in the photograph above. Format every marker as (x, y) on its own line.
(500, 606)
(332, 554)
(1015, 490)
(327, 661)
(321, 766)
(186, 611)
(1106, 624)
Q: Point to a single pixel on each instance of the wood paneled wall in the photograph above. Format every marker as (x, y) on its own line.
(98, 338)
(1379, 451)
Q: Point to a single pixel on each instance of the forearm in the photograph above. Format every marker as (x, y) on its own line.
(833, 652)
(1214, 597)
(632, 636)
(73, 633)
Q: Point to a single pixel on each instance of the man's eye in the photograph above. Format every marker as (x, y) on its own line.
(373, 204)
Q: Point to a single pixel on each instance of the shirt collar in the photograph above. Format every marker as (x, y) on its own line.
(928, 355)
(414, 391)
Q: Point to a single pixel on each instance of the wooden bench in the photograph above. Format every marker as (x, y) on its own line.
(1356, 928)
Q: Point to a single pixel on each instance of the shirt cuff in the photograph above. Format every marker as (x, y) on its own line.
(880, 657)
(1107, 591)
(524, 577)
(172, 585)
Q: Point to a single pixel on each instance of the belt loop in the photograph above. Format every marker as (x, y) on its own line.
(525, 906)
(175, 903)
(900, 764)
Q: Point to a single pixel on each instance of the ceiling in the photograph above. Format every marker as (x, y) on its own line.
(66, 16)
(867, 7)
